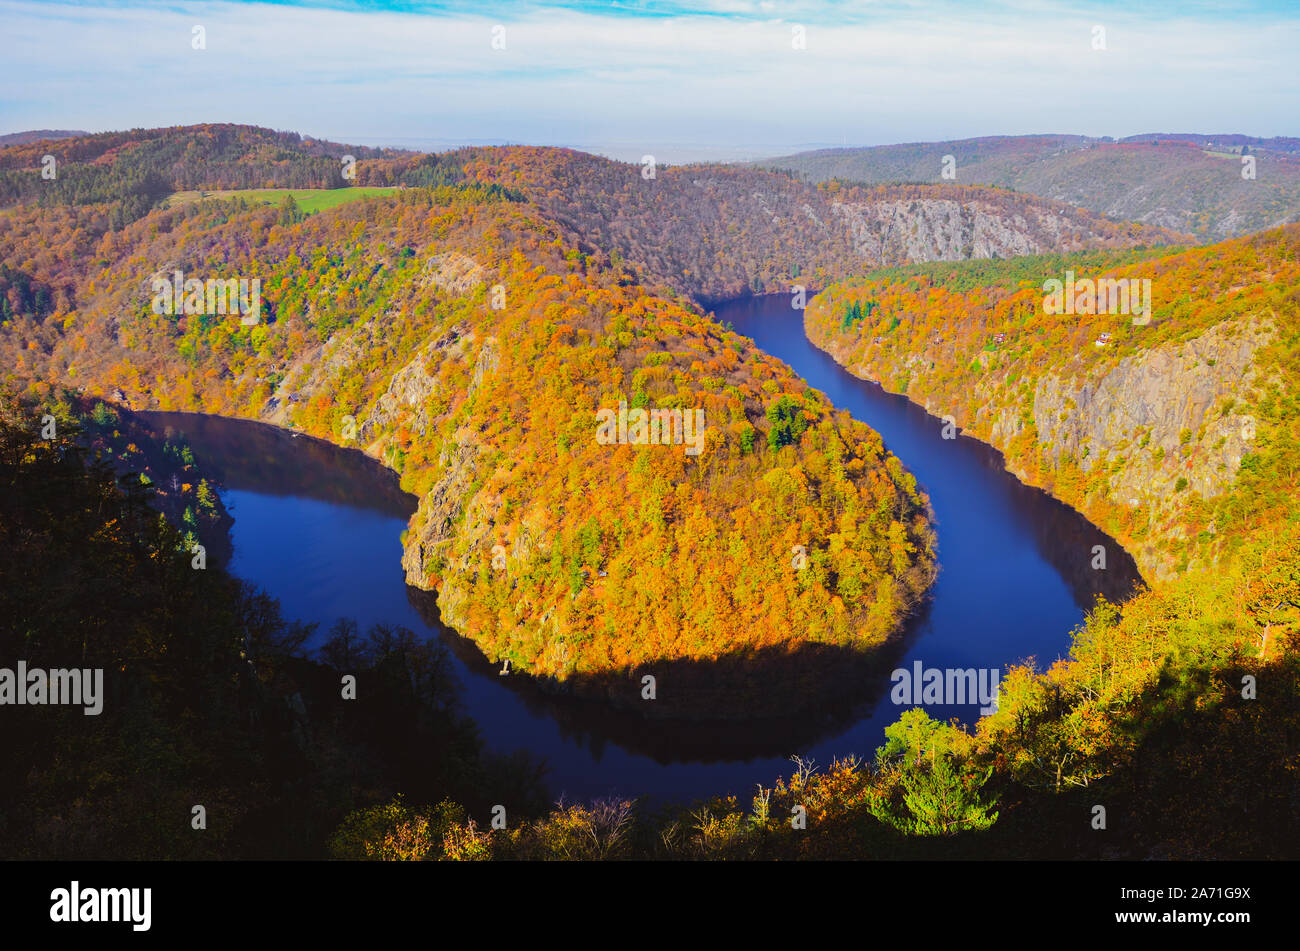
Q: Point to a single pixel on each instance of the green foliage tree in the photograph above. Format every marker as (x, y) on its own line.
(940, 798)
(787, 422)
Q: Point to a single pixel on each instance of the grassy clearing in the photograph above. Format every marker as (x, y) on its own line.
(308, 199)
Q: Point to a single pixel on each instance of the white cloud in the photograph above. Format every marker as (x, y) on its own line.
(900, 72)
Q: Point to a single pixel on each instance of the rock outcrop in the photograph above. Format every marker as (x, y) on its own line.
(461, 468)
(945, 229)
(1160, 425)
(1181, 434)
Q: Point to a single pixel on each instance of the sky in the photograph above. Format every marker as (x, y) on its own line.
(714, 79)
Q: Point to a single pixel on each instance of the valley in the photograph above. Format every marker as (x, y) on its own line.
(467, 318)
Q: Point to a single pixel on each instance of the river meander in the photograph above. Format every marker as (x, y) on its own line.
(319, 528)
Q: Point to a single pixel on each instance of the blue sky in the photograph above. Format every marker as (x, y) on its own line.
(712, 79)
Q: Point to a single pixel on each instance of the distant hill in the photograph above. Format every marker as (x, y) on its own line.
(1188, 182)
(706, 231)
(218, 155)
(1275, 144)
(38, 135)
(719, 231)
(132, 171)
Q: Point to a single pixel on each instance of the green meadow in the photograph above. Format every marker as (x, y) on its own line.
(308, 199)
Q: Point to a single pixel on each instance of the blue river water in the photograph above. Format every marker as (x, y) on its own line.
(320, 528)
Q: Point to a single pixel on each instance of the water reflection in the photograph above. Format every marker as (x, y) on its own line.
(258, 457)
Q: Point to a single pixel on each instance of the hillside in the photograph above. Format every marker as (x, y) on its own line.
(1187, 183)
(130, 172)
(378, 329)
(205, 695)
(1146, 428)
(38, 135)
(708, 232)
(719, 231)
(1177, 436)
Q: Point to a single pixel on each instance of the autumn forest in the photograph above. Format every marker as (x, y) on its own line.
(462, 318)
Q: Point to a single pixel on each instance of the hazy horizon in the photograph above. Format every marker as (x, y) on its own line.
(728, 80)
(669, 153)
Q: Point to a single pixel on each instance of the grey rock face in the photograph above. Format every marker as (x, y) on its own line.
(896, 232)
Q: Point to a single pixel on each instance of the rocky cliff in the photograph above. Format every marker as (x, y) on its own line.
(1190, 183)
(1142, 428)
(715, 232)
(899, 231)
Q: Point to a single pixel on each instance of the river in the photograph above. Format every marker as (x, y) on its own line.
(319, 528)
